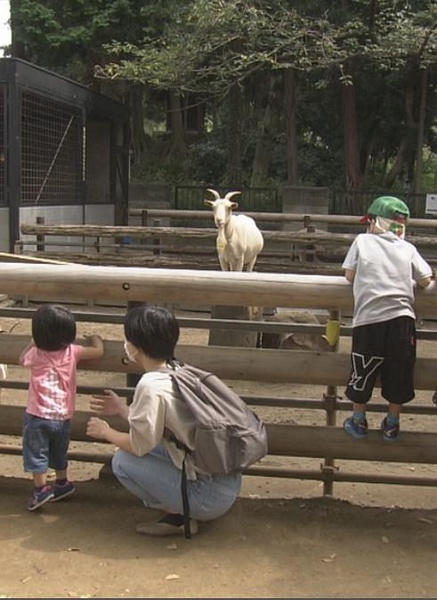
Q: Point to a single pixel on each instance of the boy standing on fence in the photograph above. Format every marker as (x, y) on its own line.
(383, 266)
(52, 357)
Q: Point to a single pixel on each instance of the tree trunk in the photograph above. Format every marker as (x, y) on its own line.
(290, 111)
(138, 136)
(350, 133)
(235, 128)
(263, 147)
(399, 162)
(418, 174)
(178, 145)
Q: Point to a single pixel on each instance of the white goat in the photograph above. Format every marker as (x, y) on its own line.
(239, 241)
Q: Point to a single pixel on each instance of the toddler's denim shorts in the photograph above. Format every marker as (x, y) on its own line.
(45, 444)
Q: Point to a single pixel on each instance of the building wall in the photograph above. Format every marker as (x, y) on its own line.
(101, 214)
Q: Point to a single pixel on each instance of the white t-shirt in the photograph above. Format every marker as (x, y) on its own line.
(156, 406)
(386, 267)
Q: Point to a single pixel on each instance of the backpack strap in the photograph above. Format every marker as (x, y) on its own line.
(172, 366)
(185, 502)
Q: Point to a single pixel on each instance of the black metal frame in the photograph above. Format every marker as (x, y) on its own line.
(18, 77)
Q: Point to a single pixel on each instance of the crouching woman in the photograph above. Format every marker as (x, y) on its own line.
(146, 463)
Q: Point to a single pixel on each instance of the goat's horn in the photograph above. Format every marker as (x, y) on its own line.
(230, 194)
(214, 193)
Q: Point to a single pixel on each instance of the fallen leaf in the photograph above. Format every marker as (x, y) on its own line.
(385, 539)
(172, 546)
(329, 559)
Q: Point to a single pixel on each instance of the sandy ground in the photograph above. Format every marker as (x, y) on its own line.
(281, 539)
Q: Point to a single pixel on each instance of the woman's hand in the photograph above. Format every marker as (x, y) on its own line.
(97, 428)
(108, 404)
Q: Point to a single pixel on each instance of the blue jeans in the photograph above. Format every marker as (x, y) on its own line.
(45, 444)
(157, 482)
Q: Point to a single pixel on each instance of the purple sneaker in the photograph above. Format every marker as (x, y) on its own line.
(356, 429)
(62, 491)
(40, 497)
(390, 433)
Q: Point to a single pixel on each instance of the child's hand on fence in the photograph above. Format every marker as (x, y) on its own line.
(97, 428)
(95, 340)
(108, 404)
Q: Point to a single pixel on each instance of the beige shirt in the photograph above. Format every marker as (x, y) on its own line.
(157, 406)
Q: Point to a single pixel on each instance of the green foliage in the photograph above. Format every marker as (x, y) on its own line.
(63, 34)
(206, 47)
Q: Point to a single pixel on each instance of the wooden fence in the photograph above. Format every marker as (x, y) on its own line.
(154, 245)
(331, 369)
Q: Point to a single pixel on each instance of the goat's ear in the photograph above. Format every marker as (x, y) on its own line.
(208, 202)
(234, 205)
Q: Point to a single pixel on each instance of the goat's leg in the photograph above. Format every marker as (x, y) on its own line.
(223, 264)
(251, 264)
(253, 310)
(239, 264)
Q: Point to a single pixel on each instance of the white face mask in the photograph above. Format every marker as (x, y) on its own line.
(130, 356)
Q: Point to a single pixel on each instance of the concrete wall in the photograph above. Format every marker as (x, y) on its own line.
(305, 200)
(95, 214)
(151, 195)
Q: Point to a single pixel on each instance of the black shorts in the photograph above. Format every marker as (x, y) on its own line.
(387, 349)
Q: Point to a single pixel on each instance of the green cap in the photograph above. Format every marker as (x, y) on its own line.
(388, 207)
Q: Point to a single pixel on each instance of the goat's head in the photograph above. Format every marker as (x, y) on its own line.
(222, 207)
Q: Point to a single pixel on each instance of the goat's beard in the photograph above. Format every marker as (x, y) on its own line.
(221, 238)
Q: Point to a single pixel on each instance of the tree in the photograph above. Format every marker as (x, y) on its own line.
(70, 38)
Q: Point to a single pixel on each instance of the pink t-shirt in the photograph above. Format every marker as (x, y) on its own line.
(52, 386)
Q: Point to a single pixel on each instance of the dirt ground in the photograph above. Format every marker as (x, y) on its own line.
(282, 538)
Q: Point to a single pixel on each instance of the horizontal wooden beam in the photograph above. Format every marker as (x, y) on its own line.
(236, 363)
(272, 217)
(311, 441)
(176, 233)
(200, 233)
(186, 286)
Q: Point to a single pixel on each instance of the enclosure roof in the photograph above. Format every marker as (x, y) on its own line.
(30, 76)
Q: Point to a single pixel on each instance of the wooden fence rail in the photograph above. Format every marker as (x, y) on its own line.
(199, 233)
(331, 369)
(304, 251)
(304, 218)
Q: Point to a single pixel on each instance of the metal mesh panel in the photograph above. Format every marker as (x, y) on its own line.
(51, 152)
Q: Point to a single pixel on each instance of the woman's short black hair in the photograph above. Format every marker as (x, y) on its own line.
(152, 329)
(53, 327)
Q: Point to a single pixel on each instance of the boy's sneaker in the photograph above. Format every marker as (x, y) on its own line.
(356, 429)
(390, 433)
(40, 497)
(62, 491)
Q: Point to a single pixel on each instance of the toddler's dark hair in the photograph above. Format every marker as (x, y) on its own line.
(53, 327)
(153, 329)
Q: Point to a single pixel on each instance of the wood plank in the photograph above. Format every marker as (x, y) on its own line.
(234, 363)
(311, 441)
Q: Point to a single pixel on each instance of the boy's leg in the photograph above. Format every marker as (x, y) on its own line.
(366, 360)
(390, 424)
(397, 373)
(356, 424)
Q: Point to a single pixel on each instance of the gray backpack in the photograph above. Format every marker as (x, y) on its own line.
(229, 436)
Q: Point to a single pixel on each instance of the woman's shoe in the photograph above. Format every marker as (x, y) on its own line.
(167, 526)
